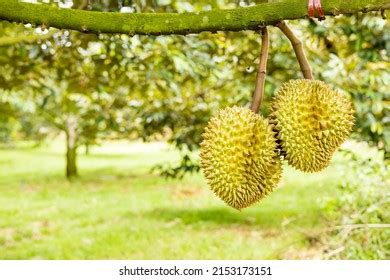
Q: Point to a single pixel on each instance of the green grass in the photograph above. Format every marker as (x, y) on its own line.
(118, 209)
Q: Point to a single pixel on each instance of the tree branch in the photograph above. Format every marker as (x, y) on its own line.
(237, 19)
(298, 49)
(261, 72)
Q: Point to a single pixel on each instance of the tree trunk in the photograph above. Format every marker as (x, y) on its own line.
(71, 148)
(87, 148)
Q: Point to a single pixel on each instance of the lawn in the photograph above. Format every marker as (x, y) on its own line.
(118, 209)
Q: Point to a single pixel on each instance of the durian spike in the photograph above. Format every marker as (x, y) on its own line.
(298, 49)
(238, 157)
(311, 121)
(261, 72)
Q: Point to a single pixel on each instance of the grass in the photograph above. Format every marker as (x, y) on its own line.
(118, 209)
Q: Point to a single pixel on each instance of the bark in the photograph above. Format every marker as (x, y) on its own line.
(71, 148)
(238, 19)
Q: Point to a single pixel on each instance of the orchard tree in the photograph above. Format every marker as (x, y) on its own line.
(68, 87)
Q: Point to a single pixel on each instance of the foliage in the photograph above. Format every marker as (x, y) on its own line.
(17, 120)
(363, 207)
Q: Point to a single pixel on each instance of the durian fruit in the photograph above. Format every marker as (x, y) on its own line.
(311, 121)
(239, 158)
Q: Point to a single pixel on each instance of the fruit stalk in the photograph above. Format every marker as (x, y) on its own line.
(261, 71)
(298, 49)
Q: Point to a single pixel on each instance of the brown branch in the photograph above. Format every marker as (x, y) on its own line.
(261, 71)
(298, 49)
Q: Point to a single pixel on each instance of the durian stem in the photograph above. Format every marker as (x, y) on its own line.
(261, 71)
(298, 49)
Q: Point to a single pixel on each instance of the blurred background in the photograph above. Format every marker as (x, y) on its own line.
(99, 138)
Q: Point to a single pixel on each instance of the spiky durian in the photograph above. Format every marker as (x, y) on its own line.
(239, 158)
(311, 121)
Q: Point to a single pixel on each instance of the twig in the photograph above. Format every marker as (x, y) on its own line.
(298, 49)
(334, 252)
(356, 226)
(261, 71)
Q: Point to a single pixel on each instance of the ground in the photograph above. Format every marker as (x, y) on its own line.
(118, 209)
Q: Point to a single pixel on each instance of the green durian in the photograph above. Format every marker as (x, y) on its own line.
(239, 158)
(311, 121)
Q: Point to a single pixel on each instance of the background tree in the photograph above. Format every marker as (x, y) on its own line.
(66, 87)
